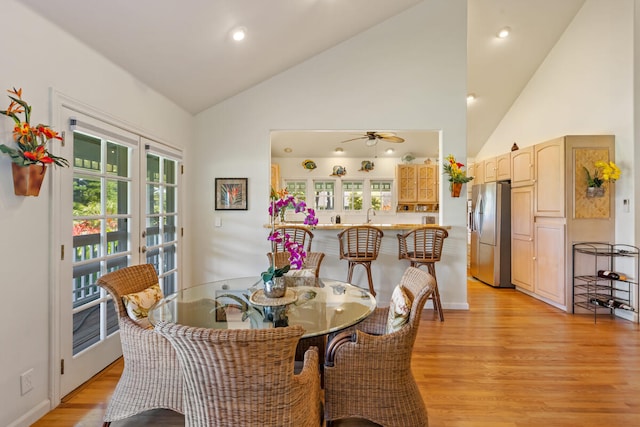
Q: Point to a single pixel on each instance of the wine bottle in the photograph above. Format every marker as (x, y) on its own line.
(598, 301)
(617, 304)
(607, 274)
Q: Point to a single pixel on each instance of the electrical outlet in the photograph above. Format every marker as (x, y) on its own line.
(26, 382)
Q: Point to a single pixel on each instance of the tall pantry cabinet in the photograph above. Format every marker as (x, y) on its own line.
(551, 211)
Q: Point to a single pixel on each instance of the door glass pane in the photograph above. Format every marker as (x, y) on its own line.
(117, 197)
(117, 159)
(101, 218)
(161, 219)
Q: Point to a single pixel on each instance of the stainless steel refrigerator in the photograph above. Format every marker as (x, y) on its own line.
(491, 233)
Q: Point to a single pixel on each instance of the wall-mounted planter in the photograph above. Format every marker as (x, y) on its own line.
(27, 180)
(595, 192)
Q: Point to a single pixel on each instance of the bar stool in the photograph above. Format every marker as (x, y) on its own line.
(423, 246)
(360, 245)
(298, 234)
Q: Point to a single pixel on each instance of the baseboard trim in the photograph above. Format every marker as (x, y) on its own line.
(33, 415)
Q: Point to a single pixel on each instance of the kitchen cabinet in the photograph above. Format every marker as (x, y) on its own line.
(417, 187)
(522, 172)
(497, 168)
(479, 172)
(522, 255)
(549, 167)
(553, 203)
(275, 176)
(549, 259)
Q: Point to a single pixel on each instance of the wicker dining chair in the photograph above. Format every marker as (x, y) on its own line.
(367, 371)
(151, 377)
(299, 234)
(423, 246)
(360, 246)
(245, 377)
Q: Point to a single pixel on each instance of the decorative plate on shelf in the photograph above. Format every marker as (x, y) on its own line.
(259, 298)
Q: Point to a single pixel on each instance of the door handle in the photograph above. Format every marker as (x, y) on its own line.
(143, 249)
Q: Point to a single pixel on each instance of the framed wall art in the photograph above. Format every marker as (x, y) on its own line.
(231, 194)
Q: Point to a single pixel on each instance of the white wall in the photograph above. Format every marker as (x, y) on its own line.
(36, 56)
(585, 86)
(407, 73)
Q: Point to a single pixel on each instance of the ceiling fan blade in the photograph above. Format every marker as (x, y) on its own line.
(354, 139)
(392, 138)
(383, 134)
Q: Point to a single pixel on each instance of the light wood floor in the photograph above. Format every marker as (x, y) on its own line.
(510, 361)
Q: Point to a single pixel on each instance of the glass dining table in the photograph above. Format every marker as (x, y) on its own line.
(321, 306)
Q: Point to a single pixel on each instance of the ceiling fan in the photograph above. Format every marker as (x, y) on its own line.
(371, 138)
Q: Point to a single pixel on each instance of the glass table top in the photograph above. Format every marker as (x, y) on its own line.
(319, 305)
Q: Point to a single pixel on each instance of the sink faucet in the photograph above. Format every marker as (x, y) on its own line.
(374, 214)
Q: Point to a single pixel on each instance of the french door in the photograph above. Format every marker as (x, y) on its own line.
(119, 203)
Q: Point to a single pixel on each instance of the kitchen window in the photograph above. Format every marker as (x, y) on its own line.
(297, 189)
(381, 195)
(352, 195)
(324, 195)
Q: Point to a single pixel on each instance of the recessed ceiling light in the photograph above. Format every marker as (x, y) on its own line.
(471, 97)
(390, 151)
(504, 33)
(288, 150)
(239, 34)
(338, 150)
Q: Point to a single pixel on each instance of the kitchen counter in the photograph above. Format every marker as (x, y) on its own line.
(346, 225)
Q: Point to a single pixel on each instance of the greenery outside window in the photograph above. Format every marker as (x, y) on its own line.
(352, 195)
(324, 192)
(381, 195)
(297, 189)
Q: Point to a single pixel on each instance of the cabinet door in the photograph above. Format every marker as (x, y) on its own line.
(549, 178)
(503, 167)
(407, 184)
(275, 176)
(479, 176)
(427, 183)
(490, 170)
(550, 260)
(522, 167)
(522, 261)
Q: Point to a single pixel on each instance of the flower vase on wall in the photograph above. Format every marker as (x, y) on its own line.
(456, 187)
(27, 180)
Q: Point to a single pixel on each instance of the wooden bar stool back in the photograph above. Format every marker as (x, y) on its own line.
(423, 246)
(301, 235)
(360, 245)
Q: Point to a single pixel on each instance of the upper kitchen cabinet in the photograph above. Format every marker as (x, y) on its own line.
(417, 187)
(549, 176)
(479, 172)
(522, 172)
(497, 168)
(275, 176)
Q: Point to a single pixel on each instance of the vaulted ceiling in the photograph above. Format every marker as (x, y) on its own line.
(183, 50)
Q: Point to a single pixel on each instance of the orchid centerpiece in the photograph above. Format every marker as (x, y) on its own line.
(279, 202)
(31, 140)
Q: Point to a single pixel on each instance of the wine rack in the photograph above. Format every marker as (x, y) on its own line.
(600, 295)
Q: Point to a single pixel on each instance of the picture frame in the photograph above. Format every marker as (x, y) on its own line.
(231, 194)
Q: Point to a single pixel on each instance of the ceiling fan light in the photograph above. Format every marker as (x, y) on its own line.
(371, 142)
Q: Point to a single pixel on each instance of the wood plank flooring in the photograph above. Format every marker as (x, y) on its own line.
(510, 361)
